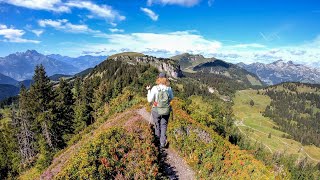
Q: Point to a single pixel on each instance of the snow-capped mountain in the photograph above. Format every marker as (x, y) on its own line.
(281, 71)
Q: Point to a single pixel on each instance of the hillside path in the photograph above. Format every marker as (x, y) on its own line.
(175, 166)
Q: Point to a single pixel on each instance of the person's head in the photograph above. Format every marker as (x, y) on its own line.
(162, 79)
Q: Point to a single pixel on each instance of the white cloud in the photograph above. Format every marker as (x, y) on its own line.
(165, 44)
(51, 5)
(37, 32)
(97, 11)
(187, 3)
(115, 30)
(150, 13)
(14, 35)
(305, 53)
(65, 25)
(102, 11)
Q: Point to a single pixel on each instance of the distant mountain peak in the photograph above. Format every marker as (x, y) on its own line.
(281, 71)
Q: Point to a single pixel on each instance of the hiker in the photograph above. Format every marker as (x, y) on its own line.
(160, 96)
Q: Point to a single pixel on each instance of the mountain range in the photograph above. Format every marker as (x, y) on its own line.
(20, 66)
(281, 71)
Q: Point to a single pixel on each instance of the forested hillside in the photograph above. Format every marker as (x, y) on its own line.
(295, 107)
(88, 128)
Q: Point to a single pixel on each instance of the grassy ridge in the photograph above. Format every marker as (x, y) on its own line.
(252, 123)
(208, 153)
(124, 148)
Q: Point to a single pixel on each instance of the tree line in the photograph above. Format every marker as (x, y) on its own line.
(45, 118)
(296, 112)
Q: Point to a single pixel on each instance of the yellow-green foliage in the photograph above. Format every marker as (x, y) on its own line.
(208, 153)
(123, 153)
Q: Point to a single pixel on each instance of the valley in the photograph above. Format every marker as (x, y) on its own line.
(252, 123)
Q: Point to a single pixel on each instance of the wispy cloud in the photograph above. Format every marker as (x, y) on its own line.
(14, 35)
(37, 32)
(65, 25)
(150, 13)
(187, 3)
(102, 11)
(115, 30)
(97, 11)
(269, 37)
(51, 5)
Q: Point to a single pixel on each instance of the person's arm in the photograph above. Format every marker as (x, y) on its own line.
(151, 94)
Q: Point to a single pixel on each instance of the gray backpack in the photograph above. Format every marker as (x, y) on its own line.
(163, 107)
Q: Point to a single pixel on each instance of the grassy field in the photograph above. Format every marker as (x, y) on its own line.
(250, 121)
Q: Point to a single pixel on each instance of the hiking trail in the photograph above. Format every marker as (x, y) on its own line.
(175, 166)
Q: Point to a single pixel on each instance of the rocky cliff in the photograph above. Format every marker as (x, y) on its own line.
(171, 67)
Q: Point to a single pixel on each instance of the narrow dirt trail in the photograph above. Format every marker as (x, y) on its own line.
(175, 166)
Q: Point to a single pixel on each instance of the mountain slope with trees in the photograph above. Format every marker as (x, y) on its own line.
(60, 119)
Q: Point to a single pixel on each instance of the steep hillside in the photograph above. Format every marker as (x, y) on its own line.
(169, 66)
(7, 80)
(188, 61)
(281, 71)
(224, 78)
(7, 90)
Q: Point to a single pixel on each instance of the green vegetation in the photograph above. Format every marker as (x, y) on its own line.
(188, 61)
(296, 111)
(116, 153)
(256, 129)
(88, 128)
(210, 154)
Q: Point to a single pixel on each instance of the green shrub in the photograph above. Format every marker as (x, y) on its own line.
(116, 153)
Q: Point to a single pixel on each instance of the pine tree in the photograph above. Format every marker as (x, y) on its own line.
(22, 120)
(41, 102)
(64, 103)
(82, 108)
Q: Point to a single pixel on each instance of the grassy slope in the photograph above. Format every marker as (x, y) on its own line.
(251, 122)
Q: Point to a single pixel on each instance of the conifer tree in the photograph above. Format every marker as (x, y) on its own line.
(22, 120)
(83, 109)
(41, 99)
(64, 112)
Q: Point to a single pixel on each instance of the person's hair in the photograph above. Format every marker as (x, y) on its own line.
(164, 81)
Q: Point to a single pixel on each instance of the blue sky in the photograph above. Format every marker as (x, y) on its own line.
(233, 30)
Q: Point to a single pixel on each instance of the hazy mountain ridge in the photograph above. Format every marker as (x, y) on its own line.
(281, 71)
(7, 80)
(81, 62)
(20, 65)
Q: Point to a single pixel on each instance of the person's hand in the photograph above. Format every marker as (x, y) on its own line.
(148, 87)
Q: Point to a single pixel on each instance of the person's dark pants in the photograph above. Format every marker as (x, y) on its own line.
(160, 129)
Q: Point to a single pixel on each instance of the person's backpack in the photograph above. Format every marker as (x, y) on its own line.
(163, 104)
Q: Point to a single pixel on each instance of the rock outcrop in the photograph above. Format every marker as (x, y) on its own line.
(171, 67)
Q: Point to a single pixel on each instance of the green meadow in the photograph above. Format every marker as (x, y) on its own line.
(252, 123)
